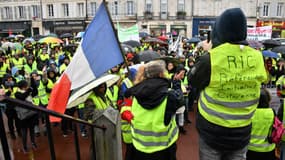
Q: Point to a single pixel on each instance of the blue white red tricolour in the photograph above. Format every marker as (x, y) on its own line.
(97, 53)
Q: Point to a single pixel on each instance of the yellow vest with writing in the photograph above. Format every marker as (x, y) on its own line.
(232, 95)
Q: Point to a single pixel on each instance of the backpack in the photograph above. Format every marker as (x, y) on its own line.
(277, 131)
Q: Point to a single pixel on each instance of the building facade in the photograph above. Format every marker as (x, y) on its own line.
(185, 17)
(272, 13)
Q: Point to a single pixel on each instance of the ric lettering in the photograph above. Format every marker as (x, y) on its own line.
(240, 62)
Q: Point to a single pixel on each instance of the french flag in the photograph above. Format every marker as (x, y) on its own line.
(98, 52)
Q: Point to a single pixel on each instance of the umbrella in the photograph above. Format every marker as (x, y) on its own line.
(19, 36)
(155, 41)
(28, 40)
(5, 45)
(267, 53)
(143, 34)
(79, 95)
(171, 59)
(51, 35)
(132, 43)
(50, 40)
(148, 55)
(193, 40)
(255, 44)
(126, 48)
(279, 49)
(163, 38)
(79, 35)
(66, 35)
(17, 46)
(38, 37)
(270, 43)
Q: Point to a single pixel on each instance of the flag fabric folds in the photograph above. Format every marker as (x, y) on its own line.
(98, 52)
(126, 34)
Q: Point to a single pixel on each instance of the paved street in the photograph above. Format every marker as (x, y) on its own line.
(187, 146)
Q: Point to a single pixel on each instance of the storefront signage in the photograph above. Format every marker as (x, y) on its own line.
(259, 33)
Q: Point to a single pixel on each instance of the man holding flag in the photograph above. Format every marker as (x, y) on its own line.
(98, 52)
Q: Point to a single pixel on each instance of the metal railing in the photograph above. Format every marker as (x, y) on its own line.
(46, 113)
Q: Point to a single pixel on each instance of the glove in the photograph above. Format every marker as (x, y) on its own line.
(128, 116)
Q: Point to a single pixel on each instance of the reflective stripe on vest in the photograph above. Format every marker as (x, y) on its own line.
(128, 82)
(262, 121)
(148, 130)
(232, 95)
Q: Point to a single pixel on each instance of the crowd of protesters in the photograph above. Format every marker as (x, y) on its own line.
(158, 95)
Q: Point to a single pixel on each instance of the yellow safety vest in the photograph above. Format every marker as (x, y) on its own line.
(19, 63)
(29, 69)
(113, 96)
(99, 103)
(128, 82)
(149, 133)
(42, 95)
(3, 70)
(126, 126)
(262, 121)
(232, 95)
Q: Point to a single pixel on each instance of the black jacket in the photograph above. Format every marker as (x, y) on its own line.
(216, 136)
(151, 92)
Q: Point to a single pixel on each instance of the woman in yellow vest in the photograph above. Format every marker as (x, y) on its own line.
(259, 147)
(153, 127)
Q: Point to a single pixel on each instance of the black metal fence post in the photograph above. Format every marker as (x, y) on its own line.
(4, 142)
(50, 139)
(93, 143)
(77, 149)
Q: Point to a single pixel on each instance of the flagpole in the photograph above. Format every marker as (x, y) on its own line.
(117, 39)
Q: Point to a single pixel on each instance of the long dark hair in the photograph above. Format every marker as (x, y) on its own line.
(264, 98)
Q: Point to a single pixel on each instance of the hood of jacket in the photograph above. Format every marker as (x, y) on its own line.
(230, 26)
(150, 93)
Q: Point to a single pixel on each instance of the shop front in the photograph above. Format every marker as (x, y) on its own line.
(278, 27)
(202, 25)
(157, 30)
(60, 27)
(19, 27)
(178, 30)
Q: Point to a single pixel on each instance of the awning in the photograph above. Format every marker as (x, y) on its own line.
(12, 30)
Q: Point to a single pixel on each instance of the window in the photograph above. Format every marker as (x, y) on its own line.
(21, 12)
(180, 6)
(35, 11)
(65, 9)
(266, 9)
(50, 10)
(163, 9)
(130, 8)
(115, 9)
(7, 13)
(279, 9)
(148, 5)
(80, 7)
(93, 8)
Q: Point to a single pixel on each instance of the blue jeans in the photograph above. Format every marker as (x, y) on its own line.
(208, 153)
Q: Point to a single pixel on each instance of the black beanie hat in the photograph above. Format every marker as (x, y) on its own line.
(230, 26)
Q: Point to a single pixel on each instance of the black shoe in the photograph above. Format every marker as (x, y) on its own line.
(182, 130)
(25, 150)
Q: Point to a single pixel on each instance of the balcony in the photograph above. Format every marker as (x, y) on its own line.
(148, 14)
(181, 14)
